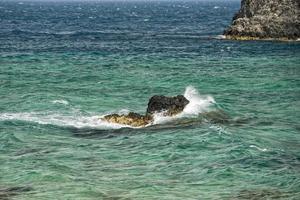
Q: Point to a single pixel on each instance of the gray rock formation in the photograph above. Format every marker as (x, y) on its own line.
(266, 19)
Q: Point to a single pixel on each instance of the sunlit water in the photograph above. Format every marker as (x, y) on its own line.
(64, 65)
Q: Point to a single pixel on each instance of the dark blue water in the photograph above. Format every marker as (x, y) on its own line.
(115, 27)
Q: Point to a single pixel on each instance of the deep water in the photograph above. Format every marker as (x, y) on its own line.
(64, 64)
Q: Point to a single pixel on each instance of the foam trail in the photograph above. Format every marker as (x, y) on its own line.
(74, 120)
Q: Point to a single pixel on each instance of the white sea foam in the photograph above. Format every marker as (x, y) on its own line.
(220, 37)
(77, 121)
(219, 129)
(258, 148)
(60, 101)
(65, 33)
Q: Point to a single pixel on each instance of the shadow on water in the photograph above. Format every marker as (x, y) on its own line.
(109, 133)
(10, 192)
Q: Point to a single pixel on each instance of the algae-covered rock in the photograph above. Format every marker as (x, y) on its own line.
(131, 119)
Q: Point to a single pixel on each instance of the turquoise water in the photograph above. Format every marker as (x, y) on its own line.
(66, 64)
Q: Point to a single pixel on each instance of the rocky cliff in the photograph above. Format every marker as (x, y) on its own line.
(266, 19)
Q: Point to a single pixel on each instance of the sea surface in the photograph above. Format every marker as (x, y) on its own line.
(63, 65)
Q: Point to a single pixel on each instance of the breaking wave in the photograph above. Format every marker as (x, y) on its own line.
(198, 104)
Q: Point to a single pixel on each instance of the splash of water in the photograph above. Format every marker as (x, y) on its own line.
(197, 105)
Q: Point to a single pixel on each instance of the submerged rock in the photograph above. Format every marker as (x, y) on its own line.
(169, 105)
(266, 19)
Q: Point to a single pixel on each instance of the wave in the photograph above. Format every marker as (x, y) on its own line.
(220, 37)
(77, 33)
(198, 104)
(60, 101)
(62, 33)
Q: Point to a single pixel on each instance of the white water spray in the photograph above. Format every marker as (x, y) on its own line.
(197, 105)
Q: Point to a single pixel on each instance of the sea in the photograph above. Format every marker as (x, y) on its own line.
(66, 64)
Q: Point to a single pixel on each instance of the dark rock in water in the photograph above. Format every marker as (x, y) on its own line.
(132, 119)
(266, 19)
(172, 105)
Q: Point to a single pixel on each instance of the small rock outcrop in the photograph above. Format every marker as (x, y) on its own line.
(266, 19)
(172, 105)
(168, 105)
(131, 119)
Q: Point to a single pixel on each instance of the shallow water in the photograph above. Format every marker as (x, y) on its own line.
(62, 65)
